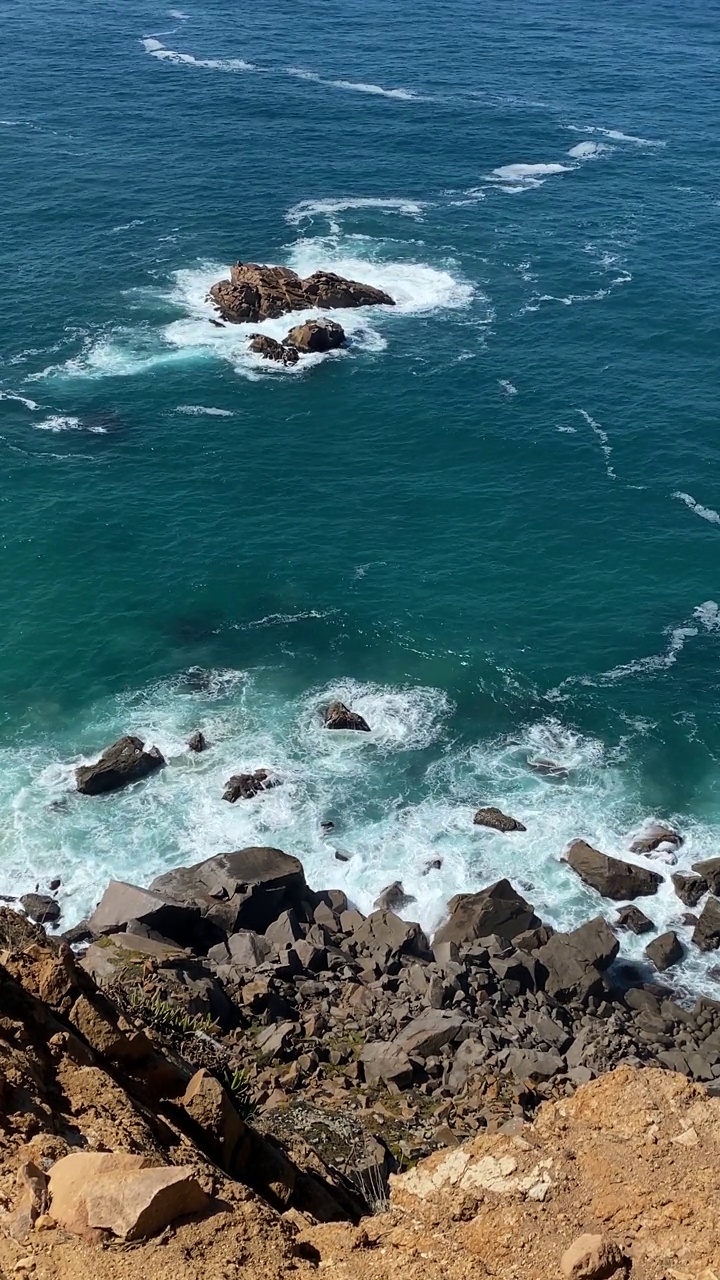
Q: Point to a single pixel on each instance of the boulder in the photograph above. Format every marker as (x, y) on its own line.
(499, 909)
(573, 962)
(665, 950)
(122, 903)
(532, 1064)
(271, 349)
(124, 762)
(31, 1201)
(709, 870)
(257, 292)
(198, 742)
(689, 887)
(592, 1257)
(499, 821)
(387, 1064)
(248, 949)
(654, 835)
(208, 1104)
(393, 898)
(425, 1035)
(315, 335)
(338, 716)
(609, 876)
(634, 919)
(706, 934)
(40, 908)
(124, 1194)
(244, 786)
(383, 929)
(247, 889)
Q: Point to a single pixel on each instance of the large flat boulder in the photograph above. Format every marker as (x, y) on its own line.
(492, 817)
(427, 1034)
(610, 876)
(385, 1063)
(124, 1194)
(706, 934)
(499, 909)
(122, 902)
(256, 292)
(316, 336)
(709, 870)
(572, 963)
(124, 762)
(247, 889)
(384, 930)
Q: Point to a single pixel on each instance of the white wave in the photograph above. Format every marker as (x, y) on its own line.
(706, 513)
(604, 439)
(278, 620)
(58, 422)
(127, 226)
(353, 86)
(523, 177)
(158, 50)
(507, 387)
(178, 13)
(617, 135)
(571, 431)
(23, 400)
(202, 410)
(569, 299)
(307, 209)
(588, 150)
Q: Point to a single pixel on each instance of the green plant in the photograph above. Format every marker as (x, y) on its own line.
(238, 1084)
(168, 1017)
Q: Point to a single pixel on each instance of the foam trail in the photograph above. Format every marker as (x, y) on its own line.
(604, 439)
(60, 422)
(617, 135)
(202, 410)
(354, 86)
(306, 209)
(706, 513)
(588, 150)
(24, 400)
(158, 50)
(523, 177)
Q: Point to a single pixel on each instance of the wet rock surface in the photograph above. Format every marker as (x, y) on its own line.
(124, 762)
(256, 292)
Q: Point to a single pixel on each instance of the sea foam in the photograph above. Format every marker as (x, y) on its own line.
(354, 86)
(706, 513)
(157, 49)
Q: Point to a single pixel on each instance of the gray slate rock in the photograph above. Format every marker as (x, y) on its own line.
(385, 1063)
(247, 889)
(40, 908)
(610, 876)
(528, 1064)
(499, 909)
(428, 1033)
(573, 962)
(123, 903)
(393, 898)
(385, 929)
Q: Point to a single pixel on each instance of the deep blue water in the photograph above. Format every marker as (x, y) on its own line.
(492, 522)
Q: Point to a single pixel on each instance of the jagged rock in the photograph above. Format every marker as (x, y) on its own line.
(428, 1033)
(385, 929)
(256, 292)
(531, 1064)
(247, 889)
(198, 742)
(706, 934)
(316, 335)
(573, 962)
(338, 716)
(665, 950)
(499, 909)
(270, 349)
(248, 949)
(709, 871)
(393, 898)
(40, 908)
(609, 876)
(31, 1201)
(207, 1103)
(122, 903)
(495, 818)
(124, 762)
(112, 1191)
(689, 887)
(653, 836)
(275, 1040)
(433, 864)
(592, 1257)
(634, 919)
(244, 786)
(387, 1064)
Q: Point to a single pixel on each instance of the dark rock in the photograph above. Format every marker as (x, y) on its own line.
(341, 856)
(54, 885)
(284, 931)
(255, 293)
(78, 933)
(271, 349)
(40, 908)
(498, 909)
(244, 786)
(609, 876)
(316, 335)
(327, 827)
(124, 762)
(689, 887)
(383, 929)
(243, 890)
(687, 918)
(122, 903)
(387, 1064)
(198, 742)
(654, 835)
(338, 716)
(665, 950)
(573, 962)
(706, 934)
(248, 949)
(499, 821)
(530, 1064)
(709, 869)
(428, 1033)
(434, 864)
(393, 898)
(634, 919)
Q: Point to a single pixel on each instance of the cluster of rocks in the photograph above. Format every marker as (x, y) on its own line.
(316, 1001)
(314, 336)
(256, 292)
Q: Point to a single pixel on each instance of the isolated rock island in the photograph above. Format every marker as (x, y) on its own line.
(255, 293)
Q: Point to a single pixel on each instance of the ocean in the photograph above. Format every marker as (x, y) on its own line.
(491, 524)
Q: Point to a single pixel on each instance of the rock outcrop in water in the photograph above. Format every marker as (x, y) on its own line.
(124, 762)
(316, 336)
(270, 349)
(255, 293)
(338, 716)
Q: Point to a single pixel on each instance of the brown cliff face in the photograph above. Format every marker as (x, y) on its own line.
(255, 293)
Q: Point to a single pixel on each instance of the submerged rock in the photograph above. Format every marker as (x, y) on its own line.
(124, 762)
(393, 898)
(198, 742)
(40, 908)
(610, 876)
(655, 835)
(243, 786)
(256, 292)
(338, 716)
(316, 335)
(271, 349)
(549, 769)
(497, 820)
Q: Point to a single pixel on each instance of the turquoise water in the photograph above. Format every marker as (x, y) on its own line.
(492, 523)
